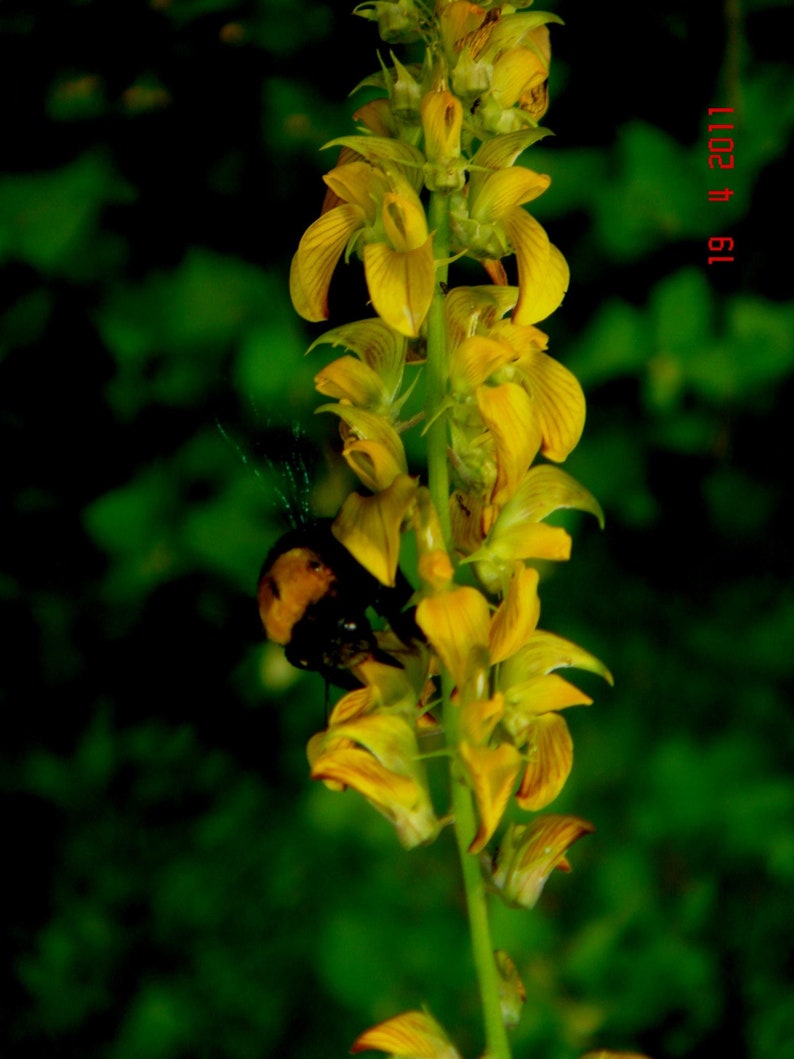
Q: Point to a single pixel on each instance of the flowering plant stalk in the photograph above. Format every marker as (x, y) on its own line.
(432, 176)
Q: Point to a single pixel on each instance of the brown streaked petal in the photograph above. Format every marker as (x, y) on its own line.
(550, 762)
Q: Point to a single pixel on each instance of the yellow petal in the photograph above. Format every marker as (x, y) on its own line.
(456, 625)
(352, 705)
(496, 271)
(376, 345)
(373, 462)
(442, 121)
(474, 360)
(412, 1035)
(401, 285)
(473, 310)
(492, 772)
(358, 183)
(318, 746)
(550, 762)
(401, 799)
(389, 737)
(543, 272)
(517, 616)
(435, 569)
(499, 152)
(546, 652)
(372, 447)
(516, 70)
(507, 412)
(479, 717)
(348, 379)
(559, 402)
(369, 527)
(556, 394)
(520, 28)
(526, 540)
(527, 341)
(399, 158)
(468, 525)
(544, 694)
(545, 489)
(400, 688)
(459, 19)
(534, 99)
(404, 221)
(314, 263)
(377, 117)
(506, 189)
(529, 699)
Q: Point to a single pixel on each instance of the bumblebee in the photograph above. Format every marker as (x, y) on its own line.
(313, 600)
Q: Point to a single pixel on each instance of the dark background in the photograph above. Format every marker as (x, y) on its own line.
(178, 887)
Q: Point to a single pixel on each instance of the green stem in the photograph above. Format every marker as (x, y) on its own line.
(498, 1046)
(438, 367)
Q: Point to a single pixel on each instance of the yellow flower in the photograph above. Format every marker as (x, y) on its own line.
(372, 447)
(519, 76)
(518, 531)
(492, 773)
(530, 852)
(558, 403)
(533, 693)
(381, 216)
(527, 401)
(347, 379)
(470, 311)
(376, 754)
(508, 413)
(412, 1035)
(492, 767)
(381, 351)
(498, 60)
(474, 360)
(491, 223)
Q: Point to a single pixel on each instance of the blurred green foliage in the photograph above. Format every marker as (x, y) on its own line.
(178, 887)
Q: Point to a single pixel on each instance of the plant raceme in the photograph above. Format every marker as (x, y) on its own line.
(434, 174)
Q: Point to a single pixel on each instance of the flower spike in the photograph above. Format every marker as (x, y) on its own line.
(432, 174)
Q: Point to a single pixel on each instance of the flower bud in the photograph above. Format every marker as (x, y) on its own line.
(405, 95)
(471, 77)
(398, 20)
(442, 121)
(529, 853)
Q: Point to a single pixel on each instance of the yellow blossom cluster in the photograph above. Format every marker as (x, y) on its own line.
(449, 131)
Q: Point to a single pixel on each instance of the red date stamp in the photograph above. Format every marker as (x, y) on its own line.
(721, 156)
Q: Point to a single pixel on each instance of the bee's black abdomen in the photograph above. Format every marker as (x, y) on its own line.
(327, 629)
